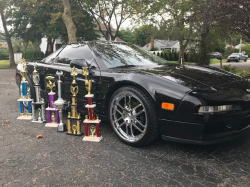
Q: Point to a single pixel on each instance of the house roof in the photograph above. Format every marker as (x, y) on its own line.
(167, 43)
(103, 28)
(119, 39)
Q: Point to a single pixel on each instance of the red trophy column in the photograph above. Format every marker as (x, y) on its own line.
(91, 122)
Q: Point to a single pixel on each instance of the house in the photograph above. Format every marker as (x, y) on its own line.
(58, 43)
(3, 45)
(161, 45)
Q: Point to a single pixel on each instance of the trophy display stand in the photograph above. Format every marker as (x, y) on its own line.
(59, 103)
(25, 112)
(39, 101)
(91, 122)
(52, 113)
(74, 119)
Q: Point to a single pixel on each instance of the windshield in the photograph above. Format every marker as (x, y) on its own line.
(118, 54)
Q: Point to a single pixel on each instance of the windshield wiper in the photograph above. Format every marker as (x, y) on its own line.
(125, 66)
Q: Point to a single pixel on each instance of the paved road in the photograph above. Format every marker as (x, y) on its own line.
(240, 65)
(61, 160)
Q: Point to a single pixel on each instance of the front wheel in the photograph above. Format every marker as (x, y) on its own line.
(132, 116)
(245, 60)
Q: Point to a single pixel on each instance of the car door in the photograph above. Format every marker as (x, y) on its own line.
(63, 61)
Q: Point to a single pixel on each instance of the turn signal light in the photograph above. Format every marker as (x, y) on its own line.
(167, 106)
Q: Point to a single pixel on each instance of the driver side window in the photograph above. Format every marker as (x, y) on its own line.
(75, 52)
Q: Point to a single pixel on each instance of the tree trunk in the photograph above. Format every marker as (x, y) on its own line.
(204, 58)
(8, 39)
(182, 50)
(67, 19)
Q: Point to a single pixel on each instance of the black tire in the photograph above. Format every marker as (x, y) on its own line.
(140, 123)
(228, 60)
(237, 60)
(245, 60)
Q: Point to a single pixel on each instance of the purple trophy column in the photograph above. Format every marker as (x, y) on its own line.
(48, 116)
(51, 100)
(57, 117)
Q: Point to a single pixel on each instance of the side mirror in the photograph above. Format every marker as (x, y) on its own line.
(78, 63)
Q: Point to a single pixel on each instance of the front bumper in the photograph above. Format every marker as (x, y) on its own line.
(214, 131)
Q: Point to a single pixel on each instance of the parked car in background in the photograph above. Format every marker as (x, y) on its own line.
(237, 57)
(215, 55)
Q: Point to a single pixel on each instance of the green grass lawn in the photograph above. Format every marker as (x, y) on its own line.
(213, 60)
(5, 64)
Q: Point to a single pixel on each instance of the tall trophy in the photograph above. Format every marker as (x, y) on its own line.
(74, 119)
(92, 121)
(59, 103)
(25, 112)
(52, 113)
(39, 101)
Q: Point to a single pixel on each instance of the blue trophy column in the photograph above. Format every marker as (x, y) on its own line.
(29, 106)
(24, 88)
(21, 107)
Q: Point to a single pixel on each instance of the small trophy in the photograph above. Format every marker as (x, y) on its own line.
(25, 113)
(59, 103)
(39, 100)
(52, 113)
(74, 119)
(91, 122)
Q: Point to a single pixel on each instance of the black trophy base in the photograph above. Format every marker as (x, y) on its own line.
(74, 134)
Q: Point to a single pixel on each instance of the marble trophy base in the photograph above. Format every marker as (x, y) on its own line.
(92, 139)
(51, 125)
(25, 117)
(38, 121)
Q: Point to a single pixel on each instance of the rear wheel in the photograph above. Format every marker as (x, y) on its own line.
(245, 60)
(132, 116)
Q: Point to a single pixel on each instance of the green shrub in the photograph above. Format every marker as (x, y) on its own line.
(230, 68)
(246, 48)
(158, 54)
(4, 54)
(33, 55)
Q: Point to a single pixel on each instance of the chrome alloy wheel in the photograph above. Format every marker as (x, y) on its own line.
(128, 116)
(25, 103)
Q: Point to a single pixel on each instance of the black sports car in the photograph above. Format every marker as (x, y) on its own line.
(144, 96)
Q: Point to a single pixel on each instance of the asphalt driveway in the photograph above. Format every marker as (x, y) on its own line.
(240, 65)
(62, 160)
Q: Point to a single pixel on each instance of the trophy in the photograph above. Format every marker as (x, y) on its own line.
(25, 112)
(91, 122)
(59, 103)
(52, 112)
(74, 119)
(39, 100)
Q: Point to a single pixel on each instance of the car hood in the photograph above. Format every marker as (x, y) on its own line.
(194, 77)
(233, 56)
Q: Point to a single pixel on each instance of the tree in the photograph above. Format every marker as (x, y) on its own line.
(45, 19)
(175, 18)
(11, 24)
(127, 35)
(67, 19)
(107, 12)
(231, 15)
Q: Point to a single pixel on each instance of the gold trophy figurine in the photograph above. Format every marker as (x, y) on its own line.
(23, 72)
(50, 84)
(88, 83)
(74, 73)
